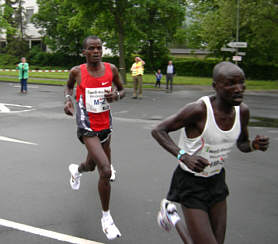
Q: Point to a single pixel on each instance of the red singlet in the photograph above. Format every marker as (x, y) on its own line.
(92, 110)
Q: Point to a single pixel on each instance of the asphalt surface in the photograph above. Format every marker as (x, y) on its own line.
(35, 180)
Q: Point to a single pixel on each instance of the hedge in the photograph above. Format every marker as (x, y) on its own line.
(260, 72)
(194, 67)
(183, 67)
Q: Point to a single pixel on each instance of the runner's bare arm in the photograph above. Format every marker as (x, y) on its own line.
(74, 73)
(119, 93)
(186, 117)
(243, 142)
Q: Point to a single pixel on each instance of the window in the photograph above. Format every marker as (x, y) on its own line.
(29, 14)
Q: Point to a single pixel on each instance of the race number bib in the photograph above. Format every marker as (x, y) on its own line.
(216, 163)
(95, 100)
(216, 155)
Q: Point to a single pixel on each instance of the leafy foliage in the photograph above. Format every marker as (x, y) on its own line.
(121, 24)
(257, 18)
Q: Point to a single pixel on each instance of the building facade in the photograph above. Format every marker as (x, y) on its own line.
(31, 33)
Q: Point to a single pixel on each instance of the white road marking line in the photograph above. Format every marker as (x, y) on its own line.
(46, 233)
(4, 138)
(29, 86)
(3, 108)
(20, 111)
(17, 105)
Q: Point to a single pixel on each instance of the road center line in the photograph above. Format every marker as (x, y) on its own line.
(46, 233)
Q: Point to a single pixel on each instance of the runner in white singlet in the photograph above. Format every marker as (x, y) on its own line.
(210, 127)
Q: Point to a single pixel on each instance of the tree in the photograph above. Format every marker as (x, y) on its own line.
(120, 23)
(157, 22)
(67, 23)
(57, 18)
(12, 20)
(111, 22)
(20, 18)
(258, 18)
(8, 22)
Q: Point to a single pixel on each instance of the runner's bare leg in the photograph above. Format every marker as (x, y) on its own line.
(99, 156)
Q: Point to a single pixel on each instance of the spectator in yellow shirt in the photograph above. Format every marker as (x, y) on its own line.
(137, 71)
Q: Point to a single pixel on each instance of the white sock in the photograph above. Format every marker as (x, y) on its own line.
(106, 213)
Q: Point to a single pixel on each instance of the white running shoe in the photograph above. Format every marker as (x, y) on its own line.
(113, 173)
(168, 215)
(109, 228)
(162, 219)
(162, 223)
(75, 176)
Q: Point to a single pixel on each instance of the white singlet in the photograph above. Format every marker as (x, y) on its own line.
(213, 144)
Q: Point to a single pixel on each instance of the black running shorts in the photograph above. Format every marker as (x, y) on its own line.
(103, 135)
(197, 192)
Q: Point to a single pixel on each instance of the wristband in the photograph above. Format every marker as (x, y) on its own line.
(118, 95)
(68, 98)
(181, 152)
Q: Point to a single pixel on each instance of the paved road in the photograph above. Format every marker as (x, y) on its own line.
(34, 180)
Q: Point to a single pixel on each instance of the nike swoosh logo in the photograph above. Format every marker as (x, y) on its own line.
(104, 83)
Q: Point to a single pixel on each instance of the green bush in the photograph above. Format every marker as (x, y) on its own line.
(203, 68)
(8, 60)
(183, 66)
(42, 59)
(260, 72)
(192, 67)
(17, 47)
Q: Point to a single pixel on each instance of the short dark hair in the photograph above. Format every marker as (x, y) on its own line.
(84, 45)
(221, 68)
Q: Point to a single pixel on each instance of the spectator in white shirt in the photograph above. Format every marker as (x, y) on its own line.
(170, 72)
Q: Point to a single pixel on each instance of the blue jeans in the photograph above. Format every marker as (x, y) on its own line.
(23, 85)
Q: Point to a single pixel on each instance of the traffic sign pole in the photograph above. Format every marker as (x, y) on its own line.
(237, 27)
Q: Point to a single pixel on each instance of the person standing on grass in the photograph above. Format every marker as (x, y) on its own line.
(23, 74)
(137, 71)
(158, 76)
(211, 126)
(170, 72)
(94, 92)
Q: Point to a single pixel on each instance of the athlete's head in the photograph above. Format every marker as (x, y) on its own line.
(229, 82)
(92, 49)
(92, 37)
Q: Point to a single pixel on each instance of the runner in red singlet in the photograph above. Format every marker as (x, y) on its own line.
(94, 93)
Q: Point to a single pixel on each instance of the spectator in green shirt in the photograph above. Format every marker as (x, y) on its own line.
(23, 75)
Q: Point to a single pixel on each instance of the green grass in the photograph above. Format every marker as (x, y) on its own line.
(49, 75)
(263, 122)
(56, 78)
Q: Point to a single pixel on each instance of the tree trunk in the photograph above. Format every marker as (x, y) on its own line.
(120, 29)
(9, 19)
(122, 67)
(20, 19)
